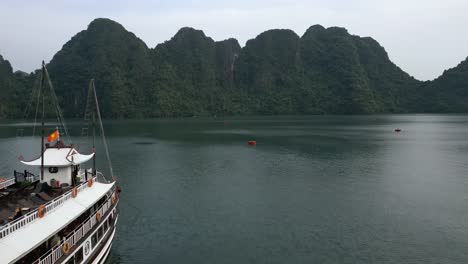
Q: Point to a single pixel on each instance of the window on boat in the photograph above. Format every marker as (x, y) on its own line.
(106, 226)
(79, 256)
(100, 232)
(94, 240)
(109, 220)
(53, 169)
(100, 202)
(71, 260)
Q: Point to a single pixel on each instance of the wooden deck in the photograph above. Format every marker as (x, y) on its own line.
(20, 198)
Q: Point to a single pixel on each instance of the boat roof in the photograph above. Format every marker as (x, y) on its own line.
(19, 243)
(60, 157)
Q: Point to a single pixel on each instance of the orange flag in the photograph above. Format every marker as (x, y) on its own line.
(53, 136)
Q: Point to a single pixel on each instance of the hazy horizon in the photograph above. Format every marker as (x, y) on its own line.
(423, 38)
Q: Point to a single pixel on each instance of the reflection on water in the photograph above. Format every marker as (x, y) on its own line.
(318, 189)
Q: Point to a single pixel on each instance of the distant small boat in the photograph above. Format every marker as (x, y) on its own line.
(252, 143)
(397, 130)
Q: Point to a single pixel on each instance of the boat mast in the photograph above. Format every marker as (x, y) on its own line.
(98, 112)
(90, 110)
(42, 122)
(94, 144)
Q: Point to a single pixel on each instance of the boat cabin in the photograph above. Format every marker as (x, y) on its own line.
(61, 164)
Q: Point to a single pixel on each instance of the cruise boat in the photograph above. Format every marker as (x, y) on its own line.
(59, 210)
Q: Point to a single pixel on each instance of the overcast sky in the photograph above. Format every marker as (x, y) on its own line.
(423, 37)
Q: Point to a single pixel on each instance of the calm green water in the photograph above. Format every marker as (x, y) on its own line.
(314, 190)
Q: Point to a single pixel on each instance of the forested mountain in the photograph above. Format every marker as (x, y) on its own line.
(325, 71)
(7, 84)
(268, 73)
(192, 74)
(14, 91)
(118, 61)
(448, 93)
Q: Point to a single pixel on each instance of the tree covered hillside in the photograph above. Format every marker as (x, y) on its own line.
(325, 71)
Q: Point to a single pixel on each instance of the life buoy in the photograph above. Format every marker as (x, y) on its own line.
(87, 247)
(41, 211)
(98, 216)
(113, 198)
(66, 248)
(90, 182)
(74, 192)
(252, 143)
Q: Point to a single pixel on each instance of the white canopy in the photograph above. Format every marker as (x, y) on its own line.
(60, 157)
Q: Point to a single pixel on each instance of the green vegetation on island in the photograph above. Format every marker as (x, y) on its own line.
(325, 71)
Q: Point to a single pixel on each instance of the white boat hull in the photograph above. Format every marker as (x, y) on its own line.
(97, 254)
(102, 256)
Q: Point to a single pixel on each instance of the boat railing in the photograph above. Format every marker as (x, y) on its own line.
(7, 182)
(89, 172)
(86, 172)
(32, 178)
(54, 254)
(33, 215)
(25, 176)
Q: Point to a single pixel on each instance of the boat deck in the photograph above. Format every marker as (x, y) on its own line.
(20, 198)
(59, 218)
